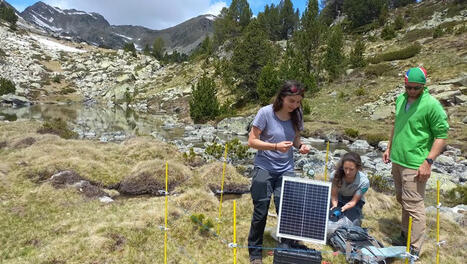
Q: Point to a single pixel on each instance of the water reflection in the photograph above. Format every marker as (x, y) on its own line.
(95, 122)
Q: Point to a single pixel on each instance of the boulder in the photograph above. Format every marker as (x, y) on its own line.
(382, 112)
(15, 100)
(360, 145)
(447, 98)
(459, 81)
(235, 125)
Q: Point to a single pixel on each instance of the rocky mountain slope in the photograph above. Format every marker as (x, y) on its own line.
(94, 29)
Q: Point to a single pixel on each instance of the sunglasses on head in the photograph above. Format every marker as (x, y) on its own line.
(294, 89)
(413, 87)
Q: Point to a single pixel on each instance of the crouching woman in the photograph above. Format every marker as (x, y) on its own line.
(349, 185)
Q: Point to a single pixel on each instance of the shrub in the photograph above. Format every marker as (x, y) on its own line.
(56, 79)
(415, 34)
(399, 22)
(457, 195)
(67, 90)
(401, 54)
(388, 32)
(236, 150)
(306, 107)
(268, 82)
(58, 127)
(6, 86)
(378, 69)
(379, 183)
(438, 32)
(360, 91)
(374, 139)
(130, 47)
(204, 104)
(353, 133)
(203, 224)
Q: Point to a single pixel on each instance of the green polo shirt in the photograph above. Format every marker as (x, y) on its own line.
(416, 129)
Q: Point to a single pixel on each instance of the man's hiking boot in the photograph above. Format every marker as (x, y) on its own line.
(256, 261)
(415, 252)
(401, 240)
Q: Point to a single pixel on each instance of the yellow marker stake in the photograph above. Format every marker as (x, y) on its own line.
(235, 231)
(222, 191)
(326, 163)
(437, 222)
(408, 239)
(166, 201)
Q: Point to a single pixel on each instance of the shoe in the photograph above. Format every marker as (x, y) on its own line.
(256, 261)
(401, 240)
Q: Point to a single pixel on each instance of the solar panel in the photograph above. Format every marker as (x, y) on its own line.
(304, 209)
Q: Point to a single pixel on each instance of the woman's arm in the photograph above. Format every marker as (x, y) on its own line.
(256, 143)
(334, 196)
(352, 202)
(297, 142)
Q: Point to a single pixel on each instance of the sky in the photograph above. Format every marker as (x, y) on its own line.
(154, 14)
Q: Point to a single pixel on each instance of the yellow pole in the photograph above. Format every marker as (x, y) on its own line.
(408, 239)
(222, 191)
(437, 222)
(235, 231)
(166, 211)
(326, 163)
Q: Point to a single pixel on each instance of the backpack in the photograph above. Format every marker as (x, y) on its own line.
(357, 244)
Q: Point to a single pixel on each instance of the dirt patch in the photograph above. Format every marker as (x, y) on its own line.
(230, 188)
(119, 242)
(24, 143)
(70, 178)
(143, 183)
(52, 66)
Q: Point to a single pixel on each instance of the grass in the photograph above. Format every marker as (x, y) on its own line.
(40, 224)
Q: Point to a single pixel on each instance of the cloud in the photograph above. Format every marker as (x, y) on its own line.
(154, 14)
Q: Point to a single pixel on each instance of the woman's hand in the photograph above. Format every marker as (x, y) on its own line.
(284, 146)
(304, 149)
(348, 206)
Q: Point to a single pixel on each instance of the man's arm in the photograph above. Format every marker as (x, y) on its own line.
(387, 153)
(424, 171)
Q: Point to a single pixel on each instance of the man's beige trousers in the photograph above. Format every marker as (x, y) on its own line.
(410, 193)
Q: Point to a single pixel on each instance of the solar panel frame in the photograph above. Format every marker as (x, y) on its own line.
(302, 204)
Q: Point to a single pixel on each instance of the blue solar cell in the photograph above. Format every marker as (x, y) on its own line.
(304, 208)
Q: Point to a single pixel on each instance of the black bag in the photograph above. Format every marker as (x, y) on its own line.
(351, 240)
(297, 256)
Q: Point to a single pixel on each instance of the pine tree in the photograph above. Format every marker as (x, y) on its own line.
(400, 3)
(146, 50)
(287, 20)
(308, 40)
(250, 55)
(362, 12)
(204, 104)
(334, 56)
(8, 14)
(357, 59)
(268, 84)
(158, 48)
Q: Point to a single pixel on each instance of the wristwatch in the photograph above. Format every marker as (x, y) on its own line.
(430, 161)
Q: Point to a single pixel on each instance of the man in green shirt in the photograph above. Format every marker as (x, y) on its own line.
(417, 138)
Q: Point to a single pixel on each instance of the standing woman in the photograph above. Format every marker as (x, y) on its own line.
(349, 184)
(275, 130)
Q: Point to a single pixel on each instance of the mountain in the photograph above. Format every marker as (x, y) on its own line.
(94, 29)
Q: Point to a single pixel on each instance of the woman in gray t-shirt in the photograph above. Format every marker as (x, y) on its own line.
(275, 130)
(349, 185)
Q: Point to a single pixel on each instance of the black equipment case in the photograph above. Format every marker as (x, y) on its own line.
(297, 256)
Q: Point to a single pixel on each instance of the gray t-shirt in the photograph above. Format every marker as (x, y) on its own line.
(274, 130)
(359, 186)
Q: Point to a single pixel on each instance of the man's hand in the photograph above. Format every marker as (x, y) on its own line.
(284, 146)
(304, 149)
(386, 156)
(424, 172)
